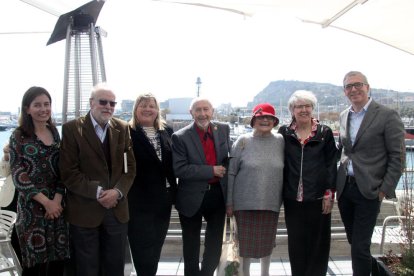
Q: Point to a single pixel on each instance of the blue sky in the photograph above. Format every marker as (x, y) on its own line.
(162, 48)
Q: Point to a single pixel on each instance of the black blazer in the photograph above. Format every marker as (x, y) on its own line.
(149, 191)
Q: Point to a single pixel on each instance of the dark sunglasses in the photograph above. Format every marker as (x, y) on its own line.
(105, 102)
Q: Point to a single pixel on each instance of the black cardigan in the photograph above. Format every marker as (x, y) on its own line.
(319, 163)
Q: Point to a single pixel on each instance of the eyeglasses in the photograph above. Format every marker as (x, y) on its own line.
(306, 106)
(105, 102)
(267, 117)
(357, 85)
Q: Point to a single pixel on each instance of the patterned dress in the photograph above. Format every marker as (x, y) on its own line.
(34, 167)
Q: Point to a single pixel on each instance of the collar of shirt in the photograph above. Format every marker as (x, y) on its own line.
(207, 141)
(100, 132)
(365, 108)
(355, 120)
(314, 128)
(204, 135)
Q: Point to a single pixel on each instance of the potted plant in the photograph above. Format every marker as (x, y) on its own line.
(402, 264)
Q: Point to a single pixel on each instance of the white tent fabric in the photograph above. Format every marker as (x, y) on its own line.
(387, 21)
(56, 7)
(162, 47)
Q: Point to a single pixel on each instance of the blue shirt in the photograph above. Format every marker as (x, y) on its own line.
(355, 120)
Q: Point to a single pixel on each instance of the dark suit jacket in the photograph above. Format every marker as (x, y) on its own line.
(83, 168)
(191, 168)
(149, 190)
(378, 154)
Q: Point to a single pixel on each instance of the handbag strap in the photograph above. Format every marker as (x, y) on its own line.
(232, 229)
(225, 229)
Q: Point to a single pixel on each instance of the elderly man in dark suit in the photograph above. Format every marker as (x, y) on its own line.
(97, 166)
(372, 142)
(200, 155)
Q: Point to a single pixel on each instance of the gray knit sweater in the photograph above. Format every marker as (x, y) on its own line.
(255, 174)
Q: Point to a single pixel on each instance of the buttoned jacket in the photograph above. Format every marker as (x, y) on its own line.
(378, 153)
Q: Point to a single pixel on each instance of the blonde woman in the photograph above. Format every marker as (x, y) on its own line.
(151, 196)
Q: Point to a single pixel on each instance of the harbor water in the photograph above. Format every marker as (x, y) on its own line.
(406, 178)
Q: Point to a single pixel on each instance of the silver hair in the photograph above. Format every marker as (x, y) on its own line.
(199, 99)
(303, 95)
(355, 73)
(103, 86)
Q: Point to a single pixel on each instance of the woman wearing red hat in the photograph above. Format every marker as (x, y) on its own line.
(254, 189)
(309, 186)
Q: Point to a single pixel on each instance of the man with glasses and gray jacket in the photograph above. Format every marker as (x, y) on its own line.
(372, 159)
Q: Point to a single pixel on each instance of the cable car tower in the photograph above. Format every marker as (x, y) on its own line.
(84, 60)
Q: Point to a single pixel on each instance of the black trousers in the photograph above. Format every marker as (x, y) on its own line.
(146, 234)
(359, 216)
(213, 211)
(101, 248)
(309, 237)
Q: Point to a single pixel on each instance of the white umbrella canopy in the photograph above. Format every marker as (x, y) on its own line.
(387, 21)
(56, 7)
(165, 46)
(39, 16)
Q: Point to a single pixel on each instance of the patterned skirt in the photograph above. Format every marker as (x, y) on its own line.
(256, 231)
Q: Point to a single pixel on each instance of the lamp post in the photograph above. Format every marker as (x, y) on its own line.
(198, 82)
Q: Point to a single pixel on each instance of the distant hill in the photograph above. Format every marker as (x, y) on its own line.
(278, 93)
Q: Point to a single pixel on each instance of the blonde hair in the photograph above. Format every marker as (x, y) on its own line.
(159, 123)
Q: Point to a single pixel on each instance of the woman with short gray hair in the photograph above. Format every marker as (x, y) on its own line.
(308, 186)
(302, 95)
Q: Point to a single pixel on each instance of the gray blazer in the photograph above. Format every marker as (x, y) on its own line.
(190, 166)
(378, 154)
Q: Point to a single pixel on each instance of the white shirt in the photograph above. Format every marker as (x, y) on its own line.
(100, 132)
